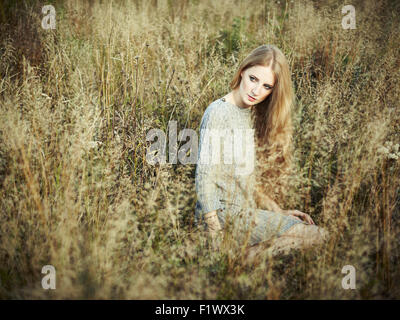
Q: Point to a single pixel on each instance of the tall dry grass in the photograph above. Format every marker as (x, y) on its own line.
(77, 102)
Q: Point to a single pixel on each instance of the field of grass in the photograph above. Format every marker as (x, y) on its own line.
(77, 101)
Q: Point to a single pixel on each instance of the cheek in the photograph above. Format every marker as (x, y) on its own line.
(244, 85)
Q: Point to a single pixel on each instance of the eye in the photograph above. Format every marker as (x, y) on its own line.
(251, 78)
(267, 87)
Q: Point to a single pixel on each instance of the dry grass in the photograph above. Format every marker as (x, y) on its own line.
(76, 104)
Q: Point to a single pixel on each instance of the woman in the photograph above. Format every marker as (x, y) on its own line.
(260, 103)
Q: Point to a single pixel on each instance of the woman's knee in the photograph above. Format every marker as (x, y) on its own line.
(308, 233)
(324, 234)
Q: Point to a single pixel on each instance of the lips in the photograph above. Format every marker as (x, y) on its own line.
(251, 98)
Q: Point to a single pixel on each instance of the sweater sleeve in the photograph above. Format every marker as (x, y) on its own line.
(206, 172)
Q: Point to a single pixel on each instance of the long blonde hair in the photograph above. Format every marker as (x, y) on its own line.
(272, 120)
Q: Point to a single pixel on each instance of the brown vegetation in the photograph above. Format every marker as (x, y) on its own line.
(76, 104)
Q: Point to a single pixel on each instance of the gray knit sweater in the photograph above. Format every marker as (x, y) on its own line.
(225, 186)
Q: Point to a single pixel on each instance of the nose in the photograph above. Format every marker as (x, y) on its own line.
(256, 90)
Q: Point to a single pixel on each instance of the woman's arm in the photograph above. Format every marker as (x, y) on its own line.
(207, 174)
(266, 203)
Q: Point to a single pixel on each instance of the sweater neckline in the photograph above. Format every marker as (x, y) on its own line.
(245, 110)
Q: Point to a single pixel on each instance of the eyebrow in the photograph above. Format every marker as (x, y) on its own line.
(264, 83)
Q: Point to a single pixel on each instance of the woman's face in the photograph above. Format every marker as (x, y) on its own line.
(256, 85)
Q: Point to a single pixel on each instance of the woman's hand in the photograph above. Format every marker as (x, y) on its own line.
(300, 215)
(214, 227)
(211, 219)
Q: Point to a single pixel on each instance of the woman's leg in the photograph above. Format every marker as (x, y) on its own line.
(299, 236)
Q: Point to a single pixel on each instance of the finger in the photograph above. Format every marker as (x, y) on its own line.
(305, 217)
(300, 217)
(310, 220)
